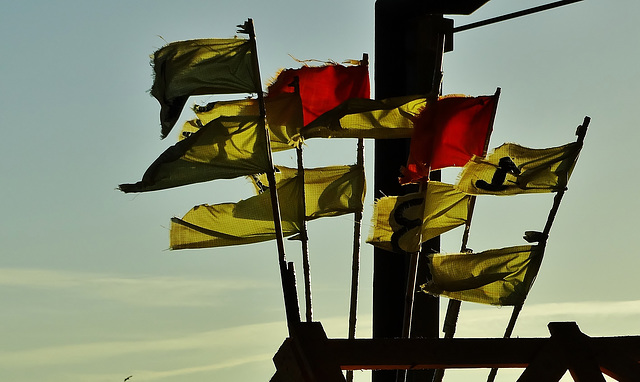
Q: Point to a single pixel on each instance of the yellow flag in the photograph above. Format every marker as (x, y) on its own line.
(367, 118)
(402, 223)
(225, 148)
(496, 277)
(513, 169)
(284, 117)
(245, 222)
(197, 67)
(329, 191)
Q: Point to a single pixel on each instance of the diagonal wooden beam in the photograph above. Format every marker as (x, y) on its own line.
(547, 366)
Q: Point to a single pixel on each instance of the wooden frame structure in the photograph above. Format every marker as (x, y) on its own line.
(309, 356)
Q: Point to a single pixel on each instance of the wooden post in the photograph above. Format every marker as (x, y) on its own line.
(407, 48)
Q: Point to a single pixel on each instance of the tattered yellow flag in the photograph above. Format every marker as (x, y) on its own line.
(512, 169)
(245, 222)
(367, 118)
(197, 67)
(225, 148)
(402, 223)
(496, 277)
(284, 117)
(329, 191)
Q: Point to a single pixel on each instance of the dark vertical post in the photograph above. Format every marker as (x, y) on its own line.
(406, 45)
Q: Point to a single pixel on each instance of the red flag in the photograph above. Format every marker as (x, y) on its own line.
(448, 133)
(323, 87)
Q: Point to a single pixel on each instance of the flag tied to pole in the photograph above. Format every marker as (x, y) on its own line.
(512, 169)
(448, 133)
(284, 117)
(496, 277)
(367, 118)
(402, 223)
(225, 148)
(322, 88)
(329, 191)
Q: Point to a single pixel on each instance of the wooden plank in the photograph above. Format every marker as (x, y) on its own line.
(389, 354)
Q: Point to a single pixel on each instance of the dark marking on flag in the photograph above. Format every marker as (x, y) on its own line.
(505, 166)
(407, 224)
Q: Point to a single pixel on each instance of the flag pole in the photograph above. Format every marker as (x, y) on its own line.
(287, 275)
(581, 131)
(304, 235)
(453, 308)
(304, 238)
(355, 261)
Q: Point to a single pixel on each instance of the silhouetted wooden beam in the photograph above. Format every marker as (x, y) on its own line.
(310, 356)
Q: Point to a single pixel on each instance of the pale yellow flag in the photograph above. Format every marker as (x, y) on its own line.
(284, 117)
(367, 118)
(496, 277)
(329, 191)
(245, 222)
(512, 169)
(402, 223)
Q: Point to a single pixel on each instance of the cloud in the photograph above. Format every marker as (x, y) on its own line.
(223, 341)
(147, 375)
(596, 318)
(136, 290)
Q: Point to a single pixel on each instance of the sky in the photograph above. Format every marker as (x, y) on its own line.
(89, 290)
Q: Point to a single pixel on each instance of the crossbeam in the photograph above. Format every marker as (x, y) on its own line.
(309, 353)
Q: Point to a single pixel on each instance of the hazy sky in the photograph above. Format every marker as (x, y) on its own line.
(88, 289)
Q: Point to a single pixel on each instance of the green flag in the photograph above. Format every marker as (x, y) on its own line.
(197, 67)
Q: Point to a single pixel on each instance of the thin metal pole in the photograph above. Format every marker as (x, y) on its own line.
(513, 15)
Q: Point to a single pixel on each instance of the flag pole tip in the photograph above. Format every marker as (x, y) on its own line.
(535, 236)
(581, 131)
(246, 27)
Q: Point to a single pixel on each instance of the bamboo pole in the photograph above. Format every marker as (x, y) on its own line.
(580, 132)
(288, 283)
